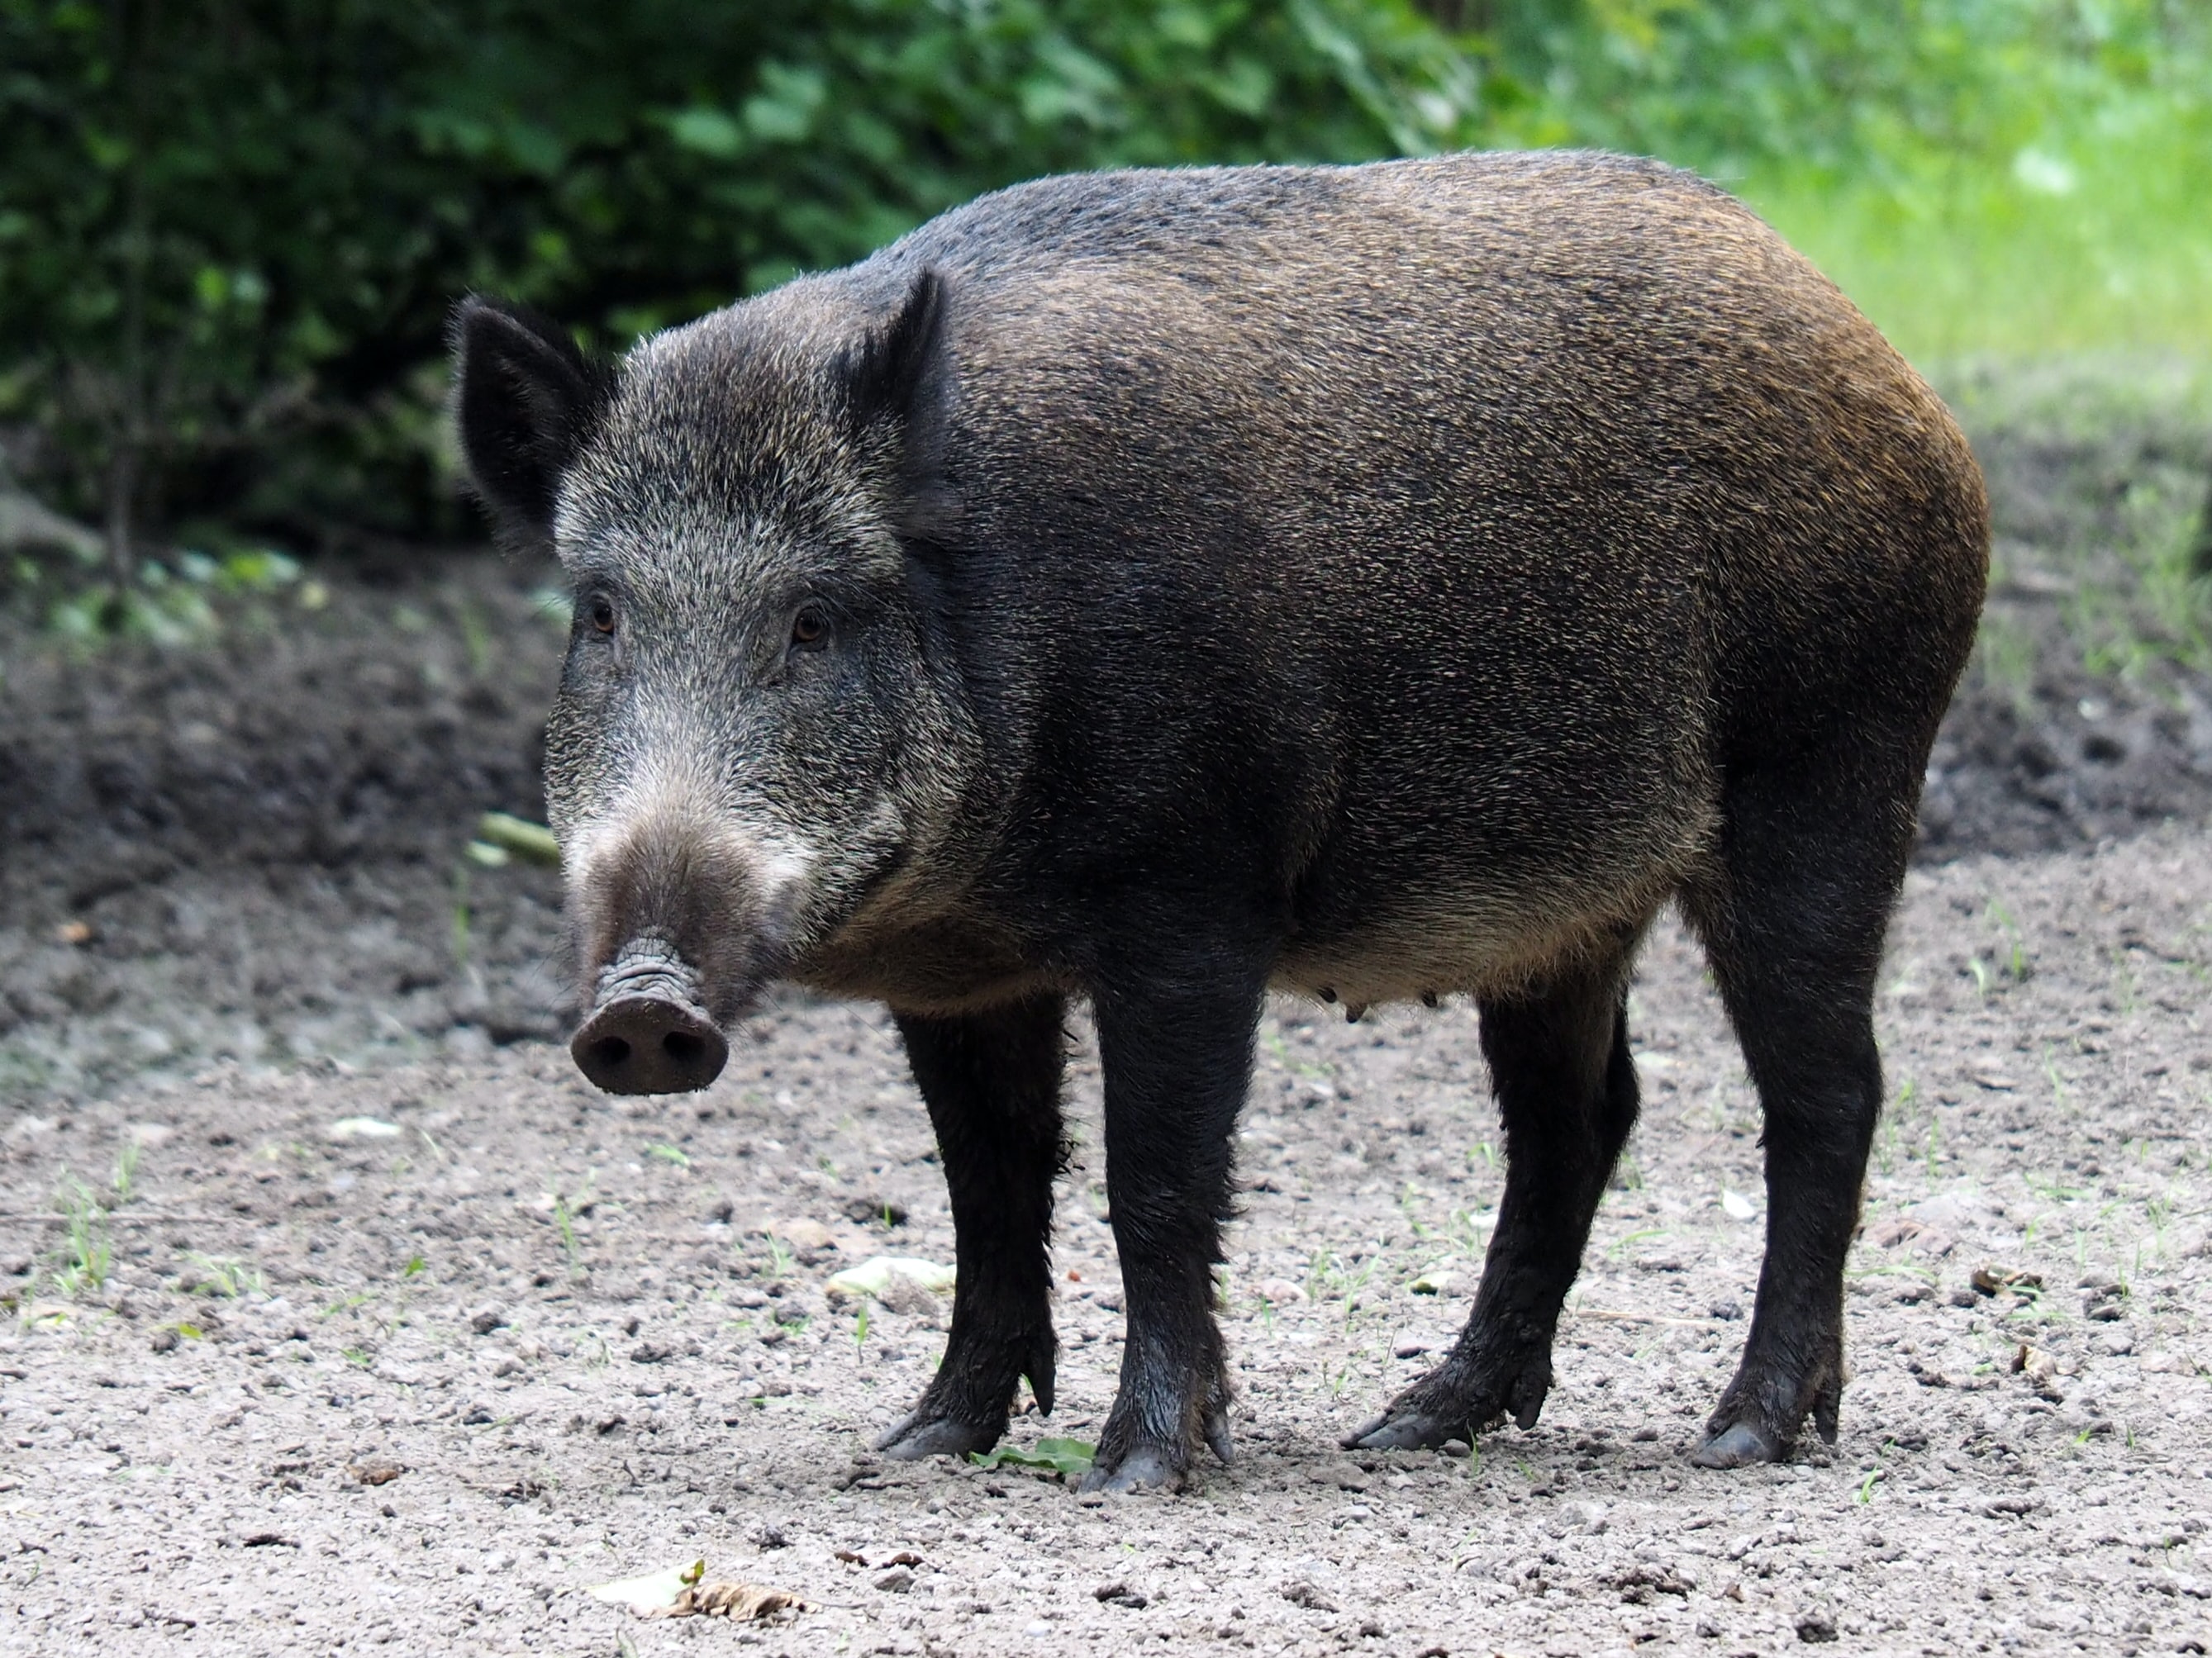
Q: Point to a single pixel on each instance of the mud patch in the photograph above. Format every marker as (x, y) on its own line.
(2086, 713)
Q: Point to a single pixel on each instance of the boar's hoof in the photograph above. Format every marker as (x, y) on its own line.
(1440, 1407)
(1407, 1430)
(924, 1435)
(1412, 1429)
(649, 1045)
(1145, 1468)
(1738, 1446)
(1757, 1419)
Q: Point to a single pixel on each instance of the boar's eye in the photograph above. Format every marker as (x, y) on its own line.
(601, 610)
(809, 628)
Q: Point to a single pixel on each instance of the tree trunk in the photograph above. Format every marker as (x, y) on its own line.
(133, 21)
(2200, 556)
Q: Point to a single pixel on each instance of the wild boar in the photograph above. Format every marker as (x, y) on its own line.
(1158, 587)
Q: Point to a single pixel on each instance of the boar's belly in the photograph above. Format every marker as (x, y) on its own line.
(1481, 941)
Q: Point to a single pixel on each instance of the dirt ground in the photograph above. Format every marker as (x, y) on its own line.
(341, 1313)
(185, 1471)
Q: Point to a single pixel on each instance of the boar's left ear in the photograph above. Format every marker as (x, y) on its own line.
(883, 371)
(527, 400)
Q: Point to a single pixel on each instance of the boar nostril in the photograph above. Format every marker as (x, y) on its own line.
(649, 1045)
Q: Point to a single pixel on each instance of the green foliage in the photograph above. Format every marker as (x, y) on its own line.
(230, 230)
(170, 601)
(1069, 1459)
(1852, 89)
(220, 1275)
(230, 233)
(517, 837)
(87, 1258)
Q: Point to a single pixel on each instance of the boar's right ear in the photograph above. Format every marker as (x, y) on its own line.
(527, 399)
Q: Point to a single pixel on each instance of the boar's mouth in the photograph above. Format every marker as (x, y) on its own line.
(648, 1032)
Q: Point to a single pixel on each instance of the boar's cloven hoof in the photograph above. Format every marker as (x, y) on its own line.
(648, 1045)
(918, 1435)
(1146, 1468)
(1739, 1445)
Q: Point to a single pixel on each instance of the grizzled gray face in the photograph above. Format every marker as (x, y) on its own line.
(751, 730)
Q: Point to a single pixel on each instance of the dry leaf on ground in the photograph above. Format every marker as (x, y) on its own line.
(802, 1234)
(682, 1592)
(745, 1603)
(2035, 1364)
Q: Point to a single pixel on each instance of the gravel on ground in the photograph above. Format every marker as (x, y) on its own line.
(411, 1356)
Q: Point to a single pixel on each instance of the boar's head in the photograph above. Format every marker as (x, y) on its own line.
(755, 724)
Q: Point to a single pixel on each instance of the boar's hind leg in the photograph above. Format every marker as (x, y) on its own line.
(1176, 1068)
(992, 1084)
(1792, 922)
(1566, 1091)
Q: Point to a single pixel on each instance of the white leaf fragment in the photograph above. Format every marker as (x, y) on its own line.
(654, 1592)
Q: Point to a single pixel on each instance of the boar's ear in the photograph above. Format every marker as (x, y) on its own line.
(527, 399)
(883, 371)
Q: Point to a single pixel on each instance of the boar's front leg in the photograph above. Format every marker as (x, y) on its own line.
(1566, 1091)
(991, 1083)
(1177, 1061)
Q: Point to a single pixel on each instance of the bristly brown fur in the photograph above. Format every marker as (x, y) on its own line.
(1373, 581)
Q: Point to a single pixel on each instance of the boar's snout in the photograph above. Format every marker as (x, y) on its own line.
(647, 1033)
(678, 921)
(643, 1045)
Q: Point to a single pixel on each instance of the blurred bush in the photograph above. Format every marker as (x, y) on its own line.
(1853, 88)
(230, 230)
(2018, 177)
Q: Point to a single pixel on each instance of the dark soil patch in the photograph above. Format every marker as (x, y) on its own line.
(254, 850)
(2079, 721)
(2080, 760)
